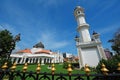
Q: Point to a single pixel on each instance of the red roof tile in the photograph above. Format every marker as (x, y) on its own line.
(43, 51)
(24, 51)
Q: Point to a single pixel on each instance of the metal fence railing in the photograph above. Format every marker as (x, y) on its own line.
(12, 74)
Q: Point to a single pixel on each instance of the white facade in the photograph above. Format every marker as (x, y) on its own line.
(36, 55)
(89, 49)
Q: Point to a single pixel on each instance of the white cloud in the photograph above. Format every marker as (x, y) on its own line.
(50, 40)
(8, 27)
(1, 27)
(110, 28)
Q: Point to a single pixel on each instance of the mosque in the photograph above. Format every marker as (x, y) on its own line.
(89, 49)
(38, 54)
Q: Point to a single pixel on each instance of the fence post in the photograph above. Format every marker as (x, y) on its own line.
(38, 71)
(24, 70)
(4, 68)
(53, 71)
(104, 69)
(69, 71)
(118, 69)
(87, 70)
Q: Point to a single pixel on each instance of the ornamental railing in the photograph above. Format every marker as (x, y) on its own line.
(12, 74)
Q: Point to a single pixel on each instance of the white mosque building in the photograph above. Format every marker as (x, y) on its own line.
(90, 50)
(36, 55)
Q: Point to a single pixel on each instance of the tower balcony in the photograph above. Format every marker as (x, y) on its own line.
(84, 25)
(88, 44)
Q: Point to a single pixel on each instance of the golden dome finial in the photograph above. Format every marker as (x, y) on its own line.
(86, 69)
(104, 69)
(25, 67)
(118, 67)
(69, 69)
(13, 67)
(4, 67)
(53, 69)
(38, 68)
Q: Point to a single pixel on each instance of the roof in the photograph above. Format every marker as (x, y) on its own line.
(43, 51)
(79, 8)
(39, 45)
(24, 51)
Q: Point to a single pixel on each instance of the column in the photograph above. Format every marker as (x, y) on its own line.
(52, 61)
(17, 60)
(38, 60)
(21, 61)
(45, 60)
(28, 60)
(35, 60)
(48, 60)
(42, 62)
(12, 59)
(32, 60)
(80, 58)
(24, 60)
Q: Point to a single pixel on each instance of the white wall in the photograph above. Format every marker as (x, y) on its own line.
(90, 56)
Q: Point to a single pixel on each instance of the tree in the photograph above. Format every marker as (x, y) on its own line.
(116, 41)
(7, 43)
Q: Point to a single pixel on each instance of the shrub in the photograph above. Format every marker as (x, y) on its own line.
(65, 65)
(75, 65)
(111, 64)
(3, 60)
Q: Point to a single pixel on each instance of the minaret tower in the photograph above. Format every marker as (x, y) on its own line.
(82, 25)
(89, 49)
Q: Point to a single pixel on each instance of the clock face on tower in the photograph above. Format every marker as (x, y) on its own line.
(78, 12)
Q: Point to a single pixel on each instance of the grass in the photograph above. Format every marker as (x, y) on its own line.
(44, 68)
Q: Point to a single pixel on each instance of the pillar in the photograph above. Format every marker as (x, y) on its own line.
(28, 60)
(42, 62)
(24, 60)
(17, 60)
(21, 61)
(38, 60)
(12, 59)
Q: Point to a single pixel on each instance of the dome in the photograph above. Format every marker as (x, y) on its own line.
(39, 45)
(78, 8)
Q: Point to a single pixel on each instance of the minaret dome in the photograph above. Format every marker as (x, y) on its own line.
(78, 11)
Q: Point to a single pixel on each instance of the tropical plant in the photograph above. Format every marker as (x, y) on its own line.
(116, 42)
(110, 64)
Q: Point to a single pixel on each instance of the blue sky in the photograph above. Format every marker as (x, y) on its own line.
(52, 21)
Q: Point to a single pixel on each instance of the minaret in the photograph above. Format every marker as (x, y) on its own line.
(90, 51)
(82, 25)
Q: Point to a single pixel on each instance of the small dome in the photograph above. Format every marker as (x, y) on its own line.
(76, 36)
(39, 45)
(78, 7)
(94, 33)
